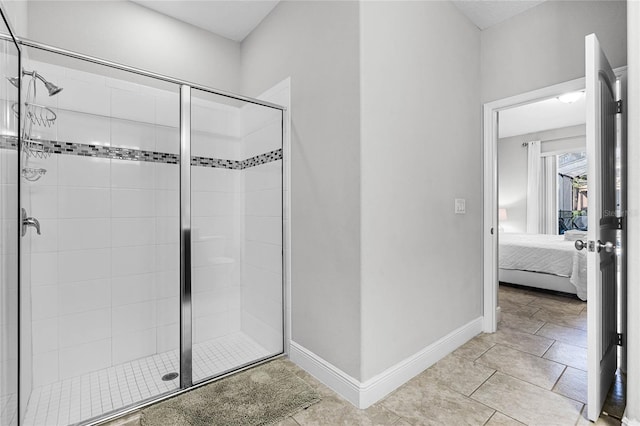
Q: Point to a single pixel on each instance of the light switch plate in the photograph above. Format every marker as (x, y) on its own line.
(460, 206)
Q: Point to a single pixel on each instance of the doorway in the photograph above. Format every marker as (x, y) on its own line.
(492, 207)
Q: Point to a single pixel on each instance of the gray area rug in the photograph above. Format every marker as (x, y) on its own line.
(260, 396)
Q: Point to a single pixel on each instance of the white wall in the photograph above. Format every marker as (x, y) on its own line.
(545, 45)
(420, 107)
(125, 32)
(316, 44)
(512, 169)
(512, 184)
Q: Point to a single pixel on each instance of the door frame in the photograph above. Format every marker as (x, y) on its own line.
(490, 112)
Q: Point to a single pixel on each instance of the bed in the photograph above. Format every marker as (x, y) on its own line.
(549, 262)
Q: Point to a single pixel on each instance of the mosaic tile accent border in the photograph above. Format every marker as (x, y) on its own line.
(262, 159)
(217, 163)
(238, 165)
(9, 142)
(115, 153)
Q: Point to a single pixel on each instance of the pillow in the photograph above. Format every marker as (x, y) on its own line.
(574, 235)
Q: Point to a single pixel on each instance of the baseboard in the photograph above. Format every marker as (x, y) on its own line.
(389, 380)
(363, 395)
(629, 422)
(336, 379)
(498, 314)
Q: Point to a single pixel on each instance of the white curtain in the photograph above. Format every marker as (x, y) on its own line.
(533, 187)
(542, 214)
(548, 213)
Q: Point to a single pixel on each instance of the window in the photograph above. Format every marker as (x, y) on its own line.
(572, 191)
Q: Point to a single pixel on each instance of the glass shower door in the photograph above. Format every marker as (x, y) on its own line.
(103, 329)
(236, 234)
(9, 246)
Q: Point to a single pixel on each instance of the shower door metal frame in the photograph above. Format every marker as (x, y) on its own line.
(13, 38)
(144, 73)
(186, 339)
(186, 322)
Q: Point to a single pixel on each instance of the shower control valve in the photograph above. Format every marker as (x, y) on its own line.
(29, 221)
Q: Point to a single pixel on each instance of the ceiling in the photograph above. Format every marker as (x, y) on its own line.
(539, 116)
(235, 19)
(232, 19)
(486, 13)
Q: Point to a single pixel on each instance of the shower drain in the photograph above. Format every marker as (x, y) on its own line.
(169, 376)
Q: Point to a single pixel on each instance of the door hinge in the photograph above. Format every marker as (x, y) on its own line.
(620, 339)
(619, 223)
(619, 107)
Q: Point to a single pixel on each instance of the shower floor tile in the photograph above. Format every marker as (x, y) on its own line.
(95, 394)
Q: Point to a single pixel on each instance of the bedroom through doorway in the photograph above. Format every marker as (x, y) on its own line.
(542, 194)
(542, 210)
(605, 246)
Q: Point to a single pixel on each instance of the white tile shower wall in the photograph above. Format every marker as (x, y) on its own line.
(100, 271)
(8, 286)
(262, 293)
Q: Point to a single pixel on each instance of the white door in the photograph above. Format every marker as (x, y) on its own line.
(601, 98)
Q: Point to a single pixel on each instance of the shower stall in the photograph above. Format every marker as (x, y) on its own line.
(142, 235)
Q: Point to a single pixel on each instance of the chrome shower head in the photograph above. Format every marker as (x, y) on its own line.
(14, 80)
(52, 88)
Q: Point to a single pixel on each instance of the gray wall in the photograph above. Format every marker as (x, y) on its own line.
(316, 43)
(512, 169)
(545, 45)
(421, 130)
(125, 32)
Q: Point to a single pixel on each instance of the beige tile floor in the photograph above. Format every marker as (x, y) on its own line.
(532, 371)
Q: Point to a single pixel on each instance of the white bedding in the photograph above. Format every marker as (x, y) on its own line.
(549, 254)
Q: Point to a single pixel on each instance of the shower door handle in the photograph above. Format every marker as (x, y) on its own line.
(29, 221)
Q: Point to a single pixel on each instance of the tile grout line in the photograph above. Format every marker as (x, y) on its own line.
(584, 407)
(558, 379)
(489, 419)
(485, 381)
(487, 350)
(548, 349)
